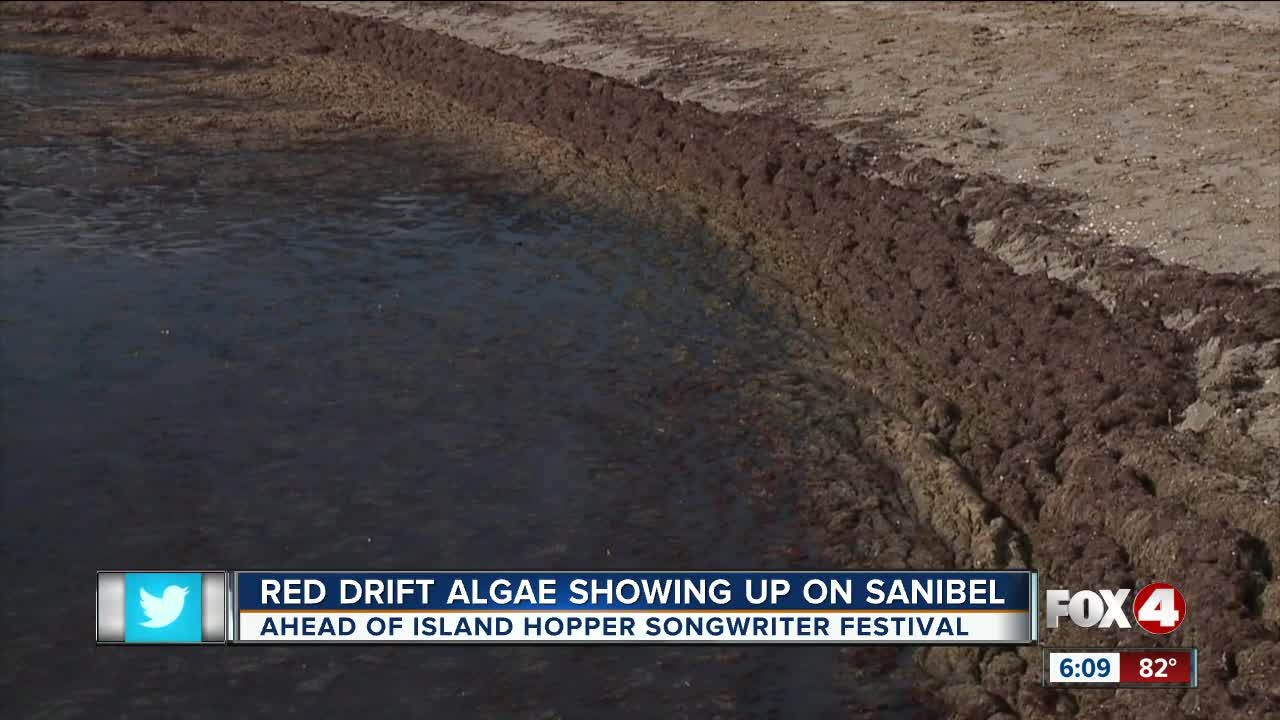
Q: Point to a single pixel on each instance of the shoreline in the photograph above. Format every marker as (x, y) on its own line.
(1034, 427)
(1167, 148)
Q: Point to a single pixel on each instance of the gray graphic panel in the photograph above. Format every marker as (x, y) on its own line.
(110, 607)
(214, 606)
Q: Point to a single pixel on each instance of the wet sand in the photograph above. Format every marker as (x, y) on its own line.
(1018, 419)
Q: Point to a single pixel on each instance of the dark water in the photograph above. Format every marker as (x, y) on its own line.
(367, 357)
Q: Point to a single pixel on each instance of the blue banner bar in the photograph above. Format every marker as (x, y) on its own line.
(860, 591)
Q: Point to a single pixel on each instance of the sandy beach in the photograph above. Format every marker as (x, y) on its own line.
(1041, 244)
(1157, 121)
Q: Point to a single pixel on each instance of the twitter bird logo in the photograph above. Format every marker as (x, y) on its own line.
(166, 608)
(162, 611)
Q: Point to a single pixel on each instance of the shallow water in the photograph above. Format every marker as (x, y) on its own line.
(369, 357)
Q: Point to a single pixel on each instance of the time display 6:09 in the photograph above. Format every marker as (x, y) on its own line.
(1084, 667)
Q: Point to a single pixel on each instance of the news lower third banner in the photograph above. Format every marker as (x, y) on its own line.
(507, 608)
(925, 608)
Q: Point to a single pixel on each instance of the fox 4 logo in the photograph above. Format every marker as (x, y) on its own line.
(1158, 608)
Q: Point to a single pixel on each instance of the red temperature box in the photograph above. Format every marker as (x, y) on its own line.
(1158, 667)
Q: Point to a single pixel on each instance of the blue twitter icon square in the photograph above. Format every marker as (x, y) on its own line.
(163, 608)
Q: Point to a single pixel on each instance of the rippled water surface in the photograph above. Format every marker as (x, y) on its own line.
(361, 357)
